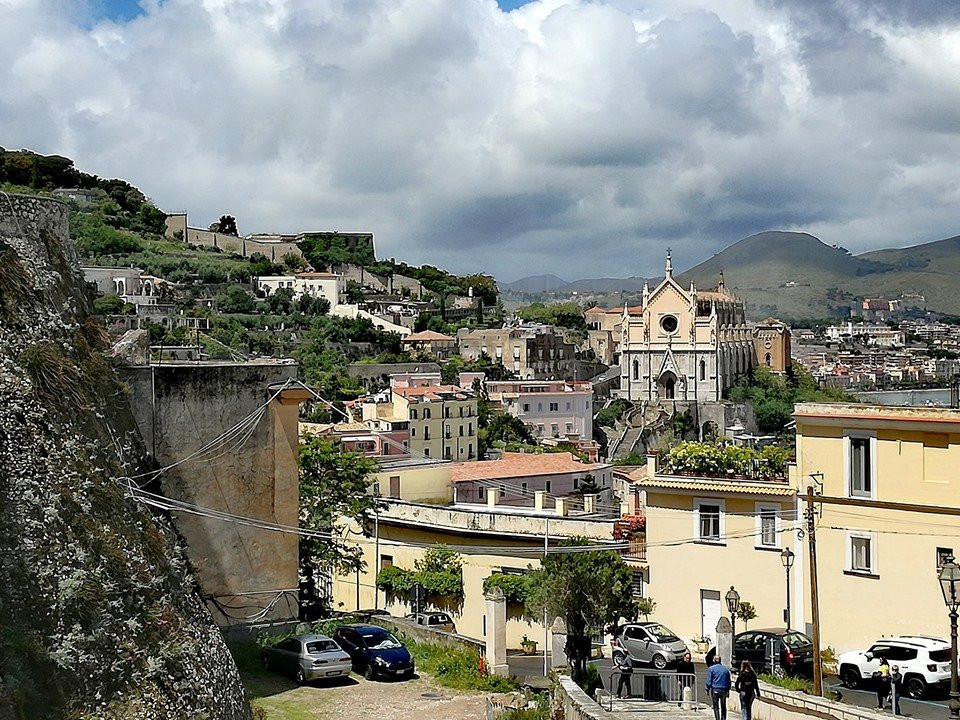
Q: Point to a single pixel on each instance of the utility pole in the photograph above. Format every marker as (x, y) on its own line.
(546, 630)
(814, 593)
(376, 545)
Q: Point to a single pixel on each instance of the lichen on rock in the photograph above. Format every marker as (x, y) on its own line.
(99, 614)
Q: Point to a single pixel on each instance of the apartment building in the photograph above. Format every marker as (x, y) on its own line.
(441, 419)
(704, 534)
(552, 408)
(533, 352)
(430, 343)
(870, 557)
(604, 327)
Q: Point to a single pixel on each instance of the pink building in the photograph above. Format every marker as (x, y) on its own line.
(552, 408)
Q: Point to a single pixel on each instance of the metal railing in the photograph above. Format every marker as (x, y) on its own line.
(655, 686)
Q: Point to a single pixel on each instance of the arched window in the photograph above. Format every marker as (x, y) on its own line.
(636, 369)
(768, 359)
(703, 369)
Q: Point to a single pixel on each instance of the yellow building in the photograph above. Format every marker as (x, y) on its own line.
(704, 535)
(490, 540)
(878, 567)
(442, 419)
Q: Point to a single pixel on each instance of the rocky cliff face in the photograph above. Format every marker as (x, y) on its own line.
(99, 617)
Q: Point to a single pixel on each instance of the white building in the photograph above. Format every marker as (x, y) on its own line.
(552, 408)
(316, 284)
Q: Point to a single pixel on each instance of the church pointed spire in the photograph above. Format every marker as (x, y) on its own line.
(668, 268)
(721, 286)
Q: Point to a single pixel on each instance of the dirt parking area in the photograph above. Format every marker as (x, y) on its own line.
(276, 698)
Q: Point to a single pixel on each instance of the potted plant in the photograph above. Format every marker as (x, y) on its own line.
(528, 646)
(701, 643)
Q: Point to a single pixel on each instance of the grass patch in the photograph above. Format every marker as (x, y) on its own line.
(457, 669)
(790, 682)
(540, 712)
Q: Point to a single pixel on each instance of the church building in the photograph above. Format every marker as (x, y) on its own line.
(685, 344)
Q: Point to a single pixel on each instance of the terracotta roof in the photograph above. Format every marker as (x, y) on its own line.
(714, 295)
(631, 310)
(427, 335)
(736, 487)
(520, 465)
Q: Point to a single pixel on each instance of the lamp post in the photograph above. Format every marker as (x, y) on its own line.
(950, 585)
(733, 604)
(786, 557)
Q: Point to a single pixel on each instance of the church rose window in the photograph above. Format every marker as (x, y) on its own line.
(668, 323)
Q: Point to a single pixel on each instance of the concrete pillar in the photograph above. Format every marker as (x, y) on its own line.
(558, 643)
(538, 498)
(492, 494)
(589, 503)
(651, 463)
(624, 508)
(561, 506)
(725, 641)
(497, 632)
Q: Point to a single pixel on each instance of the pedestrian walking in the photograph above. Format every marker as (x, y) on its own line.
(625, 665)
(718, 688)
(882, 678)
(748, 688)
(896, 686)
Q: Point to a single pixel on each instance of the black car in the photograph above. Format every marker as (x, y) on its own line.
(375, 652)
(793, 648)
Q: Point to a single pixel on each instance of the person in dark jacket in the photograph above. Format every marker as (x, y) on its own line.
(896, 684)
(625, 665)
(686, 675)
(749, 689)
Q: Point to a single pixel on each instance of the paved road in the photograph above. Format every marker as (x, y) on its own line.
(530, 668)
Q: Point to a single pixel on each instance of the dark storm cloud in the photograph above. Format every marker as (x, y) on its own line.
(567, 136)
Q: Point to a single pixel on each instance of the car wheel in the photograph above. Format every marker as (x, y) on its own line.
(849, 676)
(915, 687)
(368, 672)
(300, 677)
(659, 662)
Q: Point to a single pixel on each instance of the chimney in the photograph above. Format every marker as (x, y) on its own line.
(492, 494)
(589, 503)
(538, 498)
(652, 463)
(561, 506)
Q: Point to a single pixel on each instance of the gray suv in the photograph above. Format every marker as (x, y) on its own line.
(650, 643)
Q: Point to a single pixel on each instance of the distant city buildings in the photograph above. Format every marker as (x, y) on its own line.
(533, 352)
(551, 408)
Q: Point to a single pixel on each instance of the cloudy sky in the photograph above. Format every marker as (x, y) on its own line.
(573, 137)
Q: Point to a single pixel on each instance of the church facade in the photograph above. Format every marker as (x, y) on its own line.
(685, 344)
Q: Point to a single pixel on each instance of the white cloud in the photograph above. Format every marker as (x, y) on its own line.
(571, 137)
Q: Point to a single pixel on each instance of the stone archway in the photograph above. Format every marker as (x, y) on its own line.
(667, 386)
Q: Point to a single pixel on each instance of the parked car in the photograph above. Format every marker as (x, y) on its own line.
(924, 663)
(436, 620)
(306, 658)
(794, 649)
(650, 643)
(375, 652)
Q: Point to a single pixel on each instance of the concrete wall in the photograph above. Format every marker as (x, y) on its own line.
(179, 408)
(775, 703)
(418, 483)
(576, 704)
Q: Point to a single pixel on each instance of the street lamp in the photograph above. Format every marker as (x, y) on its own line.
(950, 585)
(733, 604)
(786, 557)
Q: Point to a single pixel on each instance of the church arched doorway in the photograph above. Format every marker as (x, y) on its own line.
(667, 386)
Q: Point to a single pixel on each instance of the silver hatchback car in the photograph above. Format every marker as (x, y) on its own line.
(650, 643)
(306, 658)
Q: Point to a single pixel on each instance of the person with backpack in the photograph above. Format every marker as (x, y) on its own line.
(625, 665)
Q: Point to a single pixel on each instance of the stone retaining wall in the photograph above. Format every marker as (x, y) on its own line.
(429, 635)
(576, 704)
(776, 703)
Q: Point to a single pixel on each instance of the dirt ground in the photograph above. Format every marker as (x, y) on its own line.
(357, 699)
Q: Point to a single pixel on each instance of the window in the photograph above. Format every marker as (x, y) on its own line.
(768, 526)
(523, 488)
(555, 429)
(426, 433)
(469, 428)
(386, 561)
(461, 431)
(568, 406)
(942, 555)
(539, 407)
(426, 452)
(548, 486)
(413, 414)
(703, 369)
(636, 586)
(526, 407)
(554, 407)
(669, 324)
(569, 427)
(860, 466)
(413, 432)
(576, 482)
(708, 518)
(426, 413)
(861, 554)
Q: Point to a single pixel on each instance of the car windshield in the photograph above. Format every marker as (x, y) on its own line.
(940, 655)
(321, 646)
(661, 634)
(796, 639)
(380, 641)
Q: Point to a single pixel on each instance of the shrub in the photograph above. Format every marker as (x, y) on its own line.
(514, 587)
(790, 682)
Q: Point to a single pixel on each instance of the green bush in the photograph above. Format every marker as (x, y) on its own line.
(704, 458)
(540, 712)
(589, 680)
(457, 668)
(514, 587)
(790, 682)
(613, 412)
